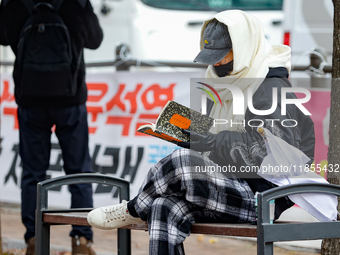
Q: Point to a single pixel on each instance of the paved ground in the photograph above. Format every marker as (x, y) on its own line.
(105, 241)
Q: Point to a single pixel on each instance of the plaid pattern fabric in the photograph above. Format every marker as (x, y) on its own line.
(175, 194)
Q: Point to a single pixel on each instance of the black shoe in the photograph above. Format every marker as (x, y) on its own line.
(30, 244)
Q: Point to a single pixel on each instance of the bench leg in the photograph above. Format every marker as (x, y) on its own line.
(124, 242)
(42, 239)
(264, 248)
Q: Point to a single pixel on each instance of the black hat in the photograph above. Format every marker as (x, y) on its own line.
(217, 43)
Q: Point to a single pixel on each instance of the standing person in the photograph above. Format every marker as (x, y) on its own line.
(174, 194)
(39, 108)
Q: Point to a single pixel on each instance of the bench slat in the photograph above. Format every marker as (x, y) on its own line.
(225, 229)
(74, 218)
(79, 218)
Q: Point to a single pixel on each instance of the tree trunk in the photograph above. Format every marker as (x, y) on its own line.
(0, 238)
(332, 246)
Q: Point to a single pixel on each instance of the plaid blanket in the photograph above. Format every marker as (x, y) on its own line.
(184, 188)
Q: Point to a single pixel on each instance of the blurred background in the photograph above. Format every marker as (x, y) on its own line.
(146, 59)
(168, 30)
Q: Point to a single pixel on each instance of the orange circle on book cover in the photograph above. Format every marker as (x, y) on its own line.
(180, 121)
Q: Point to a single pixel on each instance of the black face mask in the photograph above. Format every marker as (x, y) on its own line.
(224, 70)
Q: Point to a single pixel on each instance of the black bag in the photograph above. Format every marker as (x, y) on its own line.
(44, 66)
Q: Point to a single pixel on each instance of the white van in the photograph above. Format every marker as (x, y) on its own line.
(169, 30)
(308, 24)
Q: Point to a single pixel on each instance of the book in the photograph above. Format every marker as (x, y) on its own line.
(173, 118)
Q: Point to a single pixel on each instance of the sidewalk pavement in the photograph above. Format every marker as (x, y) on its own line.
(105, 242)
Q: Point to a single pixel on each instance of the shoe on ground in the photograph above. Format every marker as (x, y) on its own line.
(81, 246)
(30, 246)
(111, 217)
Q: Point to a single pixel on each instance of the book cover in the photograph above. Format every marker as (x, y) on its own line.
(173, 118)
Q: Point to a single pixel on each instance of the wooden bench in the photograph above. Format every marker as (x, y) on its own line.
(265, 232)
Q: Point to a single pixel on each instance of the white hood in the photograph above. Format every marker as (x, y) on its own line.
(252, 58)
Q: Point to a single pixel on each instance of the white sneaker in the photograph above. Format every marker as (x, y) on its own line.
(111, 217)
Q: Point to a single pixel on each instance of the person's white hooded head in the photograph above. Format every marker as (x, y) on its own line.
(252, 58)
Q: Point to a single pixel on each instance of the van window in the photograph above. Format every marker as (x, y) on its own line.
(215, 5)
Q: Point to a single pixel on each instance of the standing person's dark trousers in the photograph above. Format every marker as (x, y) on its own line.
(35, 146)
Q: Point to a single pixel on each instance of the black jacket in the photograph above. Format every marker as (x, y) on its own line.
(85, 32)
(248, 149)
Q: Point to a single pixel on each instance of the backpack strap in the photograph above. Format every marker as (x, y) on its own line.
(56, 4)
(29, 4)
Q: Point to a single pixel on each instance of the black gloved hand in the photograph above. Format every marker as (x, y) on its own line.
(199, 142)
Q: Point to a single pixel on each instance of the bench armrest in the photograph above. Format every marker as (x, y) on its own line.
(265, 197)
(44, 186)
(43, 230)
(268, 233)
